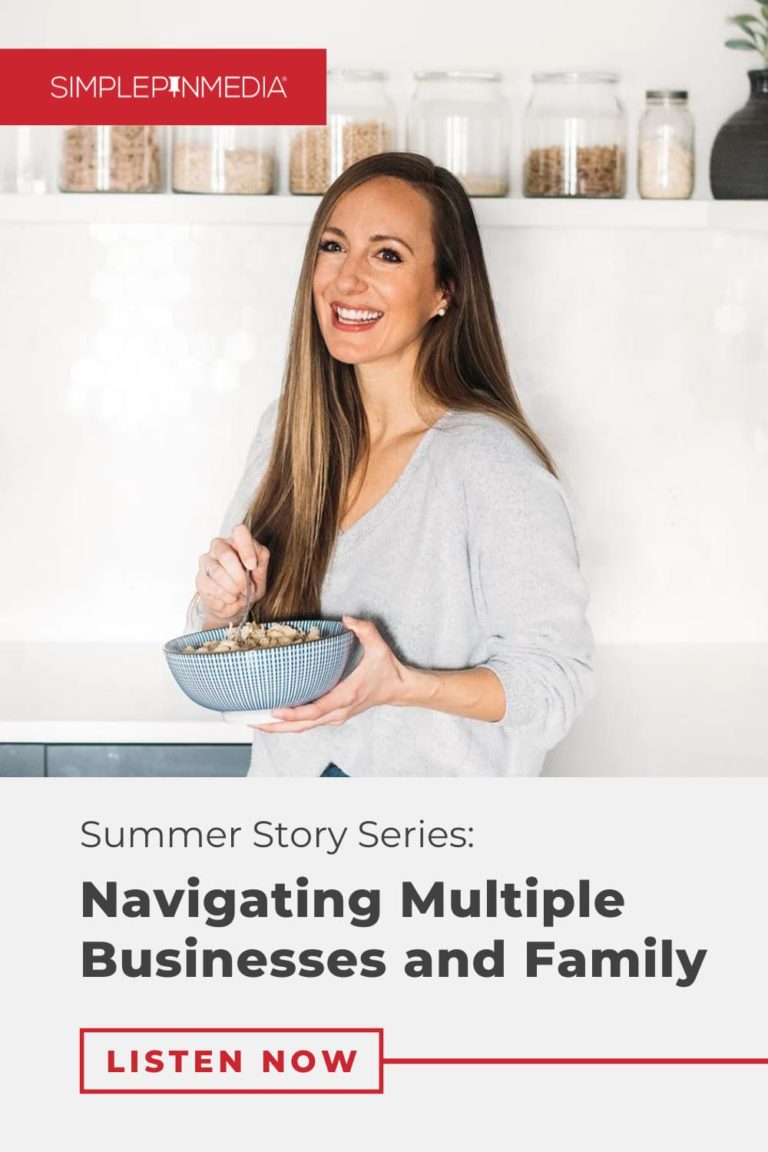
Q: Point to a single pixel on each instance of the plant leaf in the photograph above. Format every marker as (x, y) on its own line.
(744, 21)
(751, 32)
(744, 45)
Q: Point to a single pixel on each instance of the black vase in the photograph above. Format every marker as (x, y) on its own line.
(738, 166)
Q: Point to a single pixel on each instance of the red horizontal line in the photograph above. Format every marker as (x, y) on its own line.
(241, 1029)
(578, 1060)
(230, 1091)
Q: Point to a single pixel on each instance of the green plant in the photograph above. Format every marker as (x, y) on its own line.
(755, 29)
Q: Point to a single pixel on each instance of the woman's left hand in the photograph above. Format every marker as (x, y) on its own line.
(377, 679)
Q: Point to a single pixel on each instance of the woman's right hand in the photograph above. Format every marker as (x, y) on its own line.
(222, 574)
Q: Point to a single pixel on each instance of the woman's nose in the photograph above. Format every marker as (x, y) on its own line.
(350, 276)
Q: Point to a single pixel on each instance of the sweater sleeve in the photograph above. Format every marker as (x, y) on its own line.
(530, 595)
(253, 473)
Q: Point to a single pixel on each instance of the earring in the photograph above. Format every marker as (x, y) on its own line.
(441, 311)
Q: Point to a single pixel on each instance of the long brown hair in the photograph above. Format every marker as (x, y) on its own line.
(322, 434)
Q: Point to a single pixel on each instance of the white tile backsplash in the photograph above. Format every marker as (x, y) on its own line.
(136, 360)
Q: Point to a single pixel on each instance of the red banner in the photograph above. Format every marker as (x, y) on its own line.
(162, 85)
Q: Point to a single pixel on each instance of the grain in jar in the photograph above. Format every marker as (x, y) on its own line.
(574, 136)
(592, 171)
(360, 123)
(229, 160)
(110, 158)
(665, 155)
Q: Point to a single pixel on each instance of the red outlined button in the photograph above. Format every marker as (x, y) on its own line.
(231, 1060)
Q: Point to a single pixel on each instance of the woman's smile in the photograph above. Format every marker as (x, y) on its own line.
(354, 319)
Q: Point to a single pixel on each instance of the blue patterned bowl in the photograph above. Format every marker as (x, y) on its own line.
(262, 678)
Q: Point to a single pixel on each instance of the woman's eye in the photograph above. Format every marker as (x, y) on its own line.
(390, 256)
(330, 246)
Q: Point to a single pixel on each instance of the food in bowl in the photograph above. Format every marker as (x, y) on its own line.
(249, 680)
(249, 636)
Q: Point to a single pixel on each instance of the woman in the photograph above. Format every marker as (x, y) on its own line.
(397, 484)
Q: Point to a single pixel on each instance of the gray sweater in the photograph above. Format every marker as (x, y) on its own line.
(469, 560)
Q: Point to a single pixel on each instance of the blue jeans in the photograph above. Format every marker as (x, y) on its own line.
(332, 770)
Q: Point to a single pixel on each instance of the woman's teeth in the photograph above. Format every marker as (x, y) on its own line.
(357, 315)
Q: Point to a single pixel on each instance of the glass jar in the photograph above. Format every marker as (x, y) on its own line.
(235, 159)
(665, 155)
(575, 136)
(24, 159)
(361, 122)
(117, 158)
(461, 121)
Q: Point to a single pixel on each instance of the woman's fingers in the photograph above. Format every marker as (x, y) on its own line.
(338, 716)
(253, 556)
(213, 583)
(338, 699)
(222, 609)
(259, 573)
(244, 545)
(333, 708)
(365, 631)
(226, 569)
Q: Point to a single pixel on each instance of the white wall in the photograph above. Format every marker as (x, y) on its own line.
(137, 359)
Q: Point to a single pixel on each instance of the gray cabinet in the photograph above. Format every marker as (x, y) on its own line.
(124, 759)
(22, 760)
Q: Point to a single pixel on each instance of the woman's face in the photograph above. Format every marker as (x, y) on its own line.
(374, 284)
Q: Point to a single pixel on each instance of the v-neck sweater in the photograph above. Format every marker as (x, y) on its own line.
(468, 560)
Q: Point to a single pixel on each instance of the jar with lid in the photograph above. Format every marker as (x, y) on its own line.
(461, 121)
(361, 122)
(25, 163)
(575, 136)
(665, 154)
(111, 158)
(235, 159)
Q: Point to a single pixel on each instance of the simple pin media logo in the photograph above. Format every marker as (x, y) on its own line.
(239, 87)
(163, 86)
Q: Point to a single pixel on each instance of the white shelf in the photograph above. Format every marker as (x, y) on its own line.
(511, 212)
(156, 208)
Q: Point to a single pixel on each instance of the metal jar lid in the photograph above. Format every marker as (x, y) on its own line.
(576, 76)
(457, 74)
(666, 94)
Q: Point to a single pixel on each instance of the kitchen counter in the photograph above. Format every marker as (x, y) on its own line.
(660, 709)
(100, 694)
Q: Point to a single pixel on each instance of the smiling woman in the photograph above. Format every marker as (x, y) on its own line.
(377, 284)
(398, 484)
